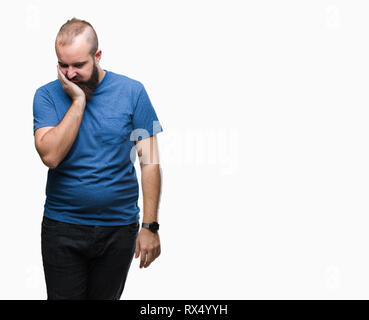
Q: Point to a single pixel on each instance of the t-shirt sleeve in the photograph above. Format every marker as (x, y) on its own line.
(44, 112)
(145, 120)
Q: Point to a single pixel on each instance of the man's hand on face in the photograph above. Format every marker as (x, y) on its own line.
(74, 91)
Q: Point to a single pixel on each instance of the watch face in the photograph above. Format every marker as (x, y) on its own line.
(154, 226)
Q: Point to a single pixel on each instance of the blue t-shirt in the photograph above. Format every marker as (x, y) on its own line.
(96, 183)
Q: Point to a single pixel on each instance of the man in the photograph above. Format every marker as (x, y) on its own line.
(88, 126)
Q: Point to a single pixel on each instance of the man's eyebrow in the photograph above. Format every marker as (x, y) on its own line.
(74, 64)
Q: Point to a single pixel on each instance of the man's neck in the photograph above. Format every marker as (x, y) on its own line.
(101, 73)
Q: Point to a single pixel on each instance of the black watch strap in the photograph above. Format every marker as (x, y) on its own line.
(153, 226)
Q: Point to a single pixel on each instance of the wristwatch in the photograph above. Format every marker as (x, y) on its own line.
(153, 226)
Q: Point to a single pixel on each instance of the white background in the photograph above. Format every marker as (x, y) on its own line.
(264, 106)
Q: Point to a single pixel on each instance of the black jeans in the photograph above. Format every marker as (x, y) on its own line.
(86, 262)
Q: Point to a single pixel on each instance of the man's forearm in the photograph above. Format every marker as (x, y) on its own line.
(56, 142)
(151, 190)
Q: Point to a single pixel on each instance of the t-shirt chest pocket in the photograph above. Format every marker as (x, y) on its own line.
(114, 129)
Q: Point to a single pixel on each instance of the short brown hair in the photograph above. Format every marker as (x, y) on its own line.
(73, 28)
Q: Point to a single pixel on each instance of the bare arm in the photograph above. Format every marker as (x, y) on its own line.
(148, 243)
(150, 177)
(151, 187)
(53, 143)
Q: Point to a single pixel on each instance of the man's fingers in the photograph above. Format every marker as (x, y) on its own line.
(150, 258)
(59, 71)
(143, 258)
(152, 255)
(156, 253)
(137, 252)
(61, 76)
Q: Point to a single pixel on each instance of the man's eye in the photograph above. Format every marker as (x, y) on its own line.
(63, 65)
(78, 65)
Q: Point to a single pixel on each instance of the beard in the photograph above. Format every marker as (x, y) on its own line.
(89, 86)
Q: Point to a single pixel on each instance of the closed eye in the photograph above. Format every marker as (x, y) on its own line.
(76, 65)
(79, 65)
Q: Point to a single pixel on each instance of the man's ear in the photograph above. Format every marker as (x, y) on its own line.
(98, 56)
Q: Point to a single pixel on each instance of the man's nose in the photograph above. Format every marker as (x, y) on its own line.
(71, 73)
